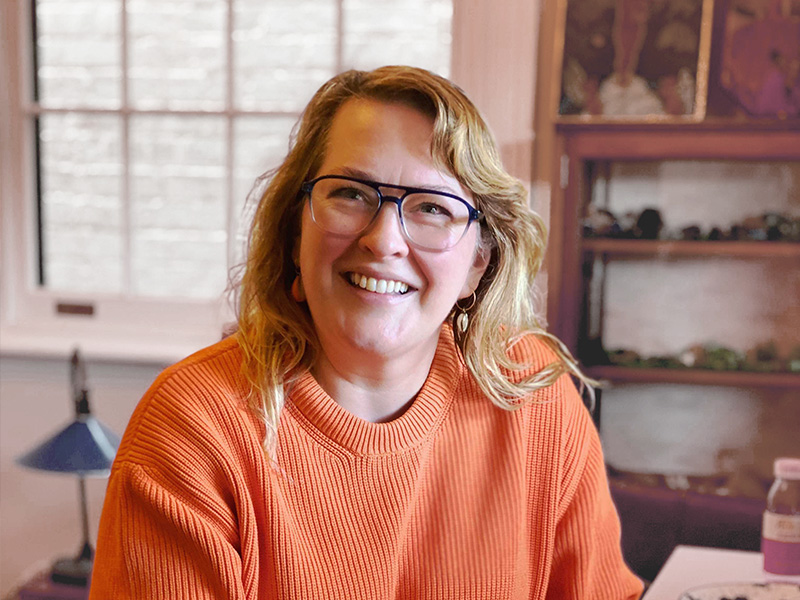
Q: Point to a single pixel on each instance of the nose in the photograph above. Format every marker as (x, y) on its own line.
(384, 236)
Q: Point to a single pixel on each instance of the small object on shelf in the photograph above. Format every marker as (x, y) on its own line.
(756, 228)
(720, 358)
(793, 361)
(764, 358)
(715, 234)
(600, 222)
(791, 230)
(625, 358)
(776, 225)
(85, 448)
(693, 357)
(662, 362)
(737, 233)
(649, 224)
(692, 232)
(627, 224)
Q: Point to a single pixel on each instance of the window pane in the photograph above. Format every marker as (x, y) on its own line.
(391, 32)
(177, 54)
(283, 51)
(178, 199)
(78, 53)
(81, 169)
(261, 145)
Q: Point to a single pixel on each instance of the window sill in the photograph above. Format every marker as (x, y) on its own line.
(150, 349)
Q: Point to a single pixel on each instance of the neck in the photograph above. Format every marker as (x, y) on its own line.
(378, 389)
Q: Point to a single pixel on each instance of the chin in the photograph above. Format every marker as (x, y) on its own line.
(376, 341)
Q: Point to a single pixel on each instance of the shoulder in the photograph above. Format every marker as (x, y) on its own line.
(555, 411)
(215, 367)
(534, 356)
(532, 352)
(192, 411)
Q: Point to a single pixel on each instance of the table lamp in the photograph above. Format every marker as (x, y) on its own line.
(84, 448)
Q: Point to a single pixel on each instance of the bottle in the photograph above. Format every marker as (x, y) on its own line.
(780, 532)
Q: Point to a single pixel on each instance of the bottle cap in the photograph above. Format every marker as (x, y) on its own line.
(787, 468)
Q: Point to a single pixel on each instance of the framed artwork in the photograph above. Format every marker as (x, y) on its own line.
(755, 59)
(633, 59)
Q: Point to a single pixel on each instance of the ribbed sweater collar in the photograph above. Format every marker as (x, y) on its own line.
(358, 436)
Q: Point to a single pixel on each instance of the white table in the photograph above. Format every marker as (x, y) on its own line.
(690, 566)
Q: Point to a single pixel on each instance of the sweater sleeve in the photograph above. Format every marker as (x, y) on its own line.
(171, 525)
(587, 561)
(155, 544)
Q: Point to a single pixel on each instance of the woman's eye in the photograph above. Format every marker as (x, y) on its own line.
(350, 193)
(429, 208)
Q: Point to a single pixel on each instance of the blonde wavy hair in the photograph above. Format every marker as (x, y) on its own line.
(276, 333)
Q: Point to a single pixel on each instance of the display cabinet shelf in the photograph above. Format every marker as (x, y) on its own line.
(749, 379)
(667, 248)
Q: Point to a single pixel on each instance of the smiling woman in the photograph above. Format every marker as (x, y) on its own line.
(376, 349)
(347, 441)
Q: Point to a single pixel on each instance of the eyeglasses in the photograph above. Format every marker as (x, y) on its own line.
(429, 219)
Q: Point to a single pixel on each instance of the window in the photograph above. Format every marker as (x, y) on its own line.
(136, 129)
(155, 117)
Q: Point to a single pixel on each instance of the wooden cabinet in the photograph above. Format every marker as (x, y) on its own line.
(579, 298)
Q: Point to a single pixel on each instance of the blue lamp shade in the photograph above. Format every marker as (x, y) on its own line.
(86, 448)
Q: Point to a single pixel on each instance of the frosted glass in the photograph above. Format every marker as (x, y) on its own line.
(283, 51)
(261, 146)
(81, 175)
(392, 32)
(79, 53)
(177, 54)
(178, 199)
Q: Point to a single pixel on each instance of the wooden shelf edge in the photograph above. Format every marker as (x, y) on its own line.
(576, 123)
(695, 377)
(754, 249)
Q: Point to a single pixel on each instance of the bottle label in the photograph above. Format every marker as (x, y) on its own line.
(780, 543)
(781, 528)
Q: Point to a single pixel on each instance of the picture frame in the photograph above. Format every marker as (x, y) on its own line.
(633, 60)
(755, 60)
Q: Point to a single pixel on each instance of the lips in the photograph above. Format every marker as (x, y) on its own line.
(378, 286)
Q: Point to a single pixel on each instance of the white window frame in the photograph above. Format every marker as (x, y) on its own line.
(493, 59)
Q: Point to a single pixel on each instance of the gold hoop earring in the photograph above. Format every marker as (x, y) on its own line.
(298, 293)
(462, 320)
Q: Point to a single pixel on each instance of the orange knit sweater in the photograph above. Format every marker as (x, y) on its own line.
(454, 499)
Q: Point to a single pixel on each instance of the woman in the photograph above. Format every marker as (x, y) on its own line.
(388, 421)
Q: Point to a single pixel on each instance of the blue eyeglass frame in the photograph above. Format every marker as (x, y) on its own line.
(474, 213)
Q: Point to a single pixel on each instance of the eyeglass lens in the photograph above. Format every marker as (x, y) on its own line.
(346, 207)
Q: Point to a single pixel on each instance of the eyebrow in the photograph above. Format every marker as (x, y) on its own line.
(359, 174)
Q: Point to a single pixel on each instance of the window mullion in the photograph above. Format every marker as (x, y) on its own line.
(126, 219)
(339, 36)
(230, 110)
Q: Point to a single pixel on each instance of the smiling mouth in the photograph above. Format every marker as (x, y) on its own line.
(379, 286)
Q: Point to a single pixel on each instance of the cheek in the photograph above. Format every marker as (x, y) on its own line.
(317, 253)
(310, 252)
(449, 272)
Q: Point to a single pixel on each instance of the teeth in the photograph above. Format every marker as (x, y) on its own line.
(379, 286)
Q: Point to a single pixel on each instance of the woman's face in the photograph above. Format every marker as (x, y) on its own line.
(389, 143)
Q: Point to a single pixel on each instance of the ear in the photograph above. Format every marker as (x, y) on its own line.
(475, 272)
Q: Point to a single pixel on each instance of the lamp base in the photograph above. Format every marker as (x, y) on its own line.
(41, 587)
(72, 571)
